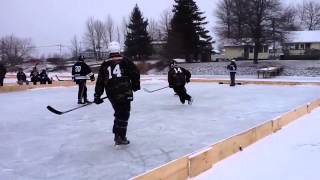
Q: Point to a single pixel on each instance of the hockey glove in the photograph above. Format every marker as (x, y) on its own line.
(92, 78)
(98, 100)
(136, 87)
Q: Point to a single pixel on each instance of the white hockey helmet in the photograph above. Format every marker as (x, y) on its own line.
(114, 47)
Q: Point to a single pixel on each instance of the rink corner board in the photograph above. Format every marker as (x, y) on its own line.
(202, 160)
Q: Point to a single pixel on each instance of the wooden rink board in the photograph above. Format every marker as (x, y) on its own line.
(202, 160)
(15, 87)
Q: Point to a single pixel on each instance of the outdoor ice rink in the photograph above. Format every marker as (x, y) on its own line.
(36, 144)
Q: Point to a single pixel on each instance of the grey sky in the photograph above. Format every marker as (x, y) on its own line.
(57, 21)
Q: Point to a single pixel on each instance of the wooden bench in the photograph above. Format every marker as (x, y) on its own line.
(269, 72)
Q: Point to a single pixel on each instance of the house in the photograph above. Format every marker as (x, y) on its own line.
(300, 42)
(244, 51)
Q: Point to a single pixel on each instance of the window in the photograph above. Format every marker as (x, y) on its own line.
(302, 46)
(296, 46)
(265, 48)
(308, 45)
(251, 49)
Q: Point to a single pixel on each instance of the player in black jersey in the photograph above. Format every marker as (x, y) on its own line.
(119, 78)
(80, 73)
(177, 79)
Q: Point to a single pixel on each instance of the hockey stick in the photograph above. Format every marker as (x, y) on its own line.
(151, 91)
(63, 79)
(55, 111)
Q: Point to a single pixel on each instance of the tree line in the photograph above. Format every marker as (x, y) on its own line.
(183, 31)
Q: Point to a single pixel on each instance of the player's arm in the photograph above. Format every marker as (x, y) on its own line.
(134, 75)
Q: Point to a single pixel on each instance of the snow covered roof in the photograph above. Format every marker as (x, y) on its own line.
(304, 36)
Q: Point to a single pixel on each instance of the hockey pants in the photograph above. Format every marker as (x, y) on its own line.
(121, 117)
(82, 93)
(182, 93)
(232, 78)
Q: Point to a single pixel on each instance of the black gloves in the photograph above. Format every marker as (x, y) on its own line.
(97, 100)
(136, 87)
(188, 80)
(92, 78)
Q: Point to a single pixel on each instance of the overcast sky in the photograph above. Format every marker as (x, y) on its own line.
(50, 22)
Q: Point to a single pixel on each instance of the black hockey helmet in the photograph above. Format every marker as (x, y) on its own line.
(172, 63)
(81, 58)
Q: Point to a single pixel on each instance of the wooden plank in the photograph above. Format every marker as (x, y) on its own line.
(174, 170)
(201, 161)
(314, 104)
(276, 124)
(264, 130)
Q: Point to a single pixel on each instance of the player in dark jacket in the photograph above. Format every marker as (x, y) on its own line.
(119, 77)
(3, 72)
(21, 77)
(177, 78)
(232, 67)
(80, 73)
(44, 78)
(34, 75)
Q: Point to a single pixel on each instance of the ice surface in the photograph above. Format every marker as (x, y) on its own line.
(36, 144)
(292, 153)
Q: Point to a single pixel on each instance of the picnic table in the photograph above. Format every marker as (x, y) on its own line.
(269, 71)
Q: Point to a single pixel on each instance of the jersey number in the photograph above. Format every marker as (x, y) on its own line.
(177, 70)
(115, 72)
(77, 69)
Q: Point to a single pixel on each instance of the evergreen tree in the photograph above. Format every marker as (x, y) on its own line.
(187, 37)
(138, 41)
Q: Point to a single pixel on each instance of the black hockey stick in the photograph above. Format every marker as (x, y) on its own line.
(151, 91)
(55, 111)
(63, 79)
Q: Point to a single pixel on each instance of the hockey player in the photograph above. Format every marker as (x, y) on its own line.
(44, 78)
(3, 72)
(232, 67)
(34, 75)
(119, 77)
(177, 78)
(21, 77)
(80, 73)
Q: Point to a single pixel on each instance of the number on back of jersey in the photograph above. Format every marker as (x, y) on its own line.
(177, 70)
(114, 72)
(77, 69)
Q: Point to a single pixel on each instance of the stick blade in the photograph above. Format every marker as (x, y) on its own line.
(51, 109)
(147, 90)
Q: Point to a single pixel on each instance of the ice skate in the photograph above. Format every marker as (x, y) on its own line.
(86, 101)
(80, 102)
(120, 141)
(190, 101)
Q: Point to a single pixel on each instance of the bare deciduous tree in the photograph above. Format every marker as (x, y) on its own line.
(254, 22)
(109, 25)
(75, 47)
(99, 32)
(154, 29)
(164, 23)
(309, 12)
(90, 37)
(14, 49)
(95, 31)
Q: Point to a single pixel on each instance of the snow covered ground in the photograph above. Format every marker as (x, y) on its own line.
(36, 144)
(292, 153)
